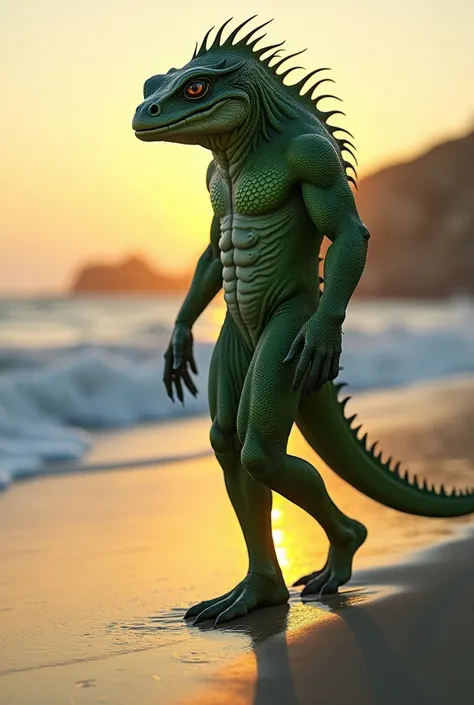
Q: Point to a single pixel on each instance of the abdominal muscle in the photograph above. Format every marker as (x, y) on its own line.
(260, 268)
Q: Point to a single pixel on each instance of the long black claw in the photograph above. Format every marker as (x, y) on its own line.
(179, 389)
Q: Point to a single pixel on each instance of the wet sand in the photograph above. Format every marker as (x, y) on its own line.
(97, 570)
(402, 634)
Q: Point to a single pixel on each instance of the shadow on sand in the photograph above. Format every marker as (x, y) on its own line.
(386, 677)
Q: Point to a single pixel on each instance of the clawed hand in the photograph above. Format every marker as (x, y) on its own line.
(177, 357)
(319, 346)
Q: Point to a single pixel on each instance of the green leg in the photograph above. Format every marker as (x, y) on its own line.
(336, 565)
(252, 501)
(264, 425)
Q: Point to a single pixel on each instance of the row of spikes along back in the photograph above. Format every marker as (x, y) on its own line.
(304, 96)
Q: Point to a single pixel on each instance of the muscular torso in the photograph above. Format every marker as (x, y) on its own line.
(268, 244)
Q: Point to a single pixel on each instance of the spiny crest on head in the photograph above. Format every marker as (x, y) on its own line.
(304, 96)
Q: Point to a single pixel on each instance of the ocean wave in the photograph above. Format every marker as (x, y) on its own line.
(52, 397)
(45, 408)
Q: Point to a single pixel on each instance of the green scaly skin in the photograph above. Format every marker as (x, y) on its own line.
(277, 184)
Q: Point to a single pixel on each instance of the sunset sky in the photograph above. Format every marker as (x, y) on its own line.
(75, 183)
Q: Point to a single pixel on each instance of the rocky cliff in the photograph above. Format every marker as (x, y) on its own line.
(421, 217)
(133, 275)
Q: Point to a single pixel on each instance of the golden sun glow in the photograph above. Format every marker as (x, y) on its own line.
(78, 186)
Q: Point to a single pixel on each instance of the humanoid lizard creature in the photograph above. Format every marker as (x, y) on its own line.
(278, 185)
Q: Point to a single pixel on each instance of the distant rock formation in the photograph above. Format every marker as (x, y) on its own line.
(421, 217)
(133, 275)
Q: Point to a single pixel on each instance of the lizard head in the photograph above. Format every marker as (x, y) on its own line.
(224, 87)
(231, 94)
(201, 99)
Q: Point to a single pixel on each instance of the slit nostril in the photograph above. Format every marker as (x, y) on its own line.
(154, 109)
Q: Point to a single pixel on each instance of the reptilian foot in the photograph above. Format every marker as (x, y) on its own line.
(252, 592)
(338, 568)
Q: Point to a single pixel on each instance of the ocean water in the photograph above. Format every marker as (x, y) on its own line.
(72, 366)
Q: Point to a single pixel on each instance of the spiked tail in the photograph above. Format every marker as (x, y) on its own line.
(323, 424)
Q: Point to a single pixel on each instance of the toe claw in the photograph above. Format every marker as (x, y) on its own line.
(232, 612)
(329, 588)
(313, 586)
(303, 580)
(199, 619)
(213, 610)
(307, 590)
(244, 598)
(192, 611)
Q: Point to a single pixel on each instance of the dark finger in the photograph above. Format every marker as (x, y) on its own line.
(179, 388)
(189, 382)
(169, 386)
(177, 361)
(167, 375)
(324, 371)
(295, 347)
(301, 368)
(192, 364)
(334, 370)
(306, 389)
(168, 357)
(177, 355)
(315, 372)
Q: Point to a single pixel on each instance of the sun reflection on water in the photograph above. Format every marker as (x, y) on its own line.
(279, 539)
(300, 544)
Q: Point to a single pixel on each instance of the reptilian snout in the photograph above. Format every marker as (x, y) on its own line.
(145, 115)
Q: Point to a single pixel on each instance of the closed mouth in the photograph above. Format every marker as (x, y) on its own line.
(189, 120)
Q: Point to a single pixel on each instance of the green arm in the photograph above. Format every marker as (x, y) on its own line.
(206, 283)
(345, 258)
(330, 204)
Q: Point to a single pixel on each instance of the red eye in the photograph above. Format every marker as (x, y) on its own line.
(196, 89)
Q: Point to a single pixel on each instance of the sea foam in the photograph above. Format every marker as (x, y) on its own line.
(51, 397)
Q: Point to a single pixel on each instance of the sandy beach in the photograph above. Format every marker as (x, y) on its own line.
(98, 568)
(401, 634)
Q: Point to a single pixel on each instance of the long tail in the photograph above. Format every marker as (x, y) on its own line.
(335, 438)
